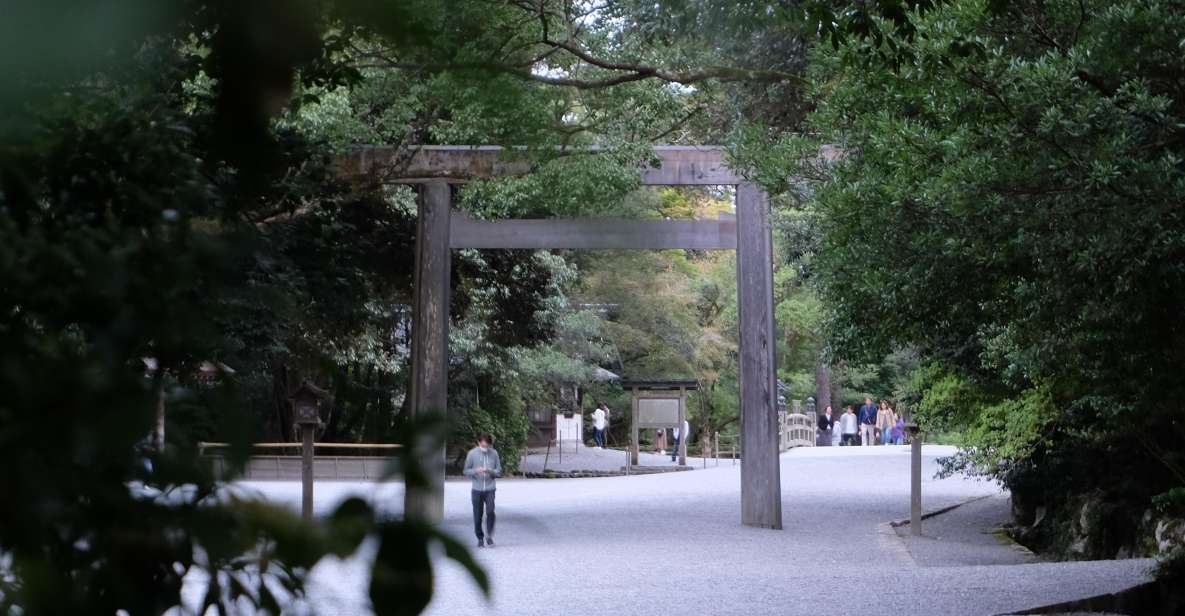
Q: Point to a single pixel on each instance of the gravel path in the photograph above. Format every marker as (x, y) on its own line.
(673, 542)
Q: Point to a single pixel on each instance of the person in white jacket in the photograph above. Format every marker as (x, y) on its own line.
(849, 426)
(680, 433)
(599, 418)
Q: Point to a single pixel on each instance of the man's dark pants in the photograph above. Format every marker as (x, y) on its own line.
(599, 436)
(483, 499)
(675, 451)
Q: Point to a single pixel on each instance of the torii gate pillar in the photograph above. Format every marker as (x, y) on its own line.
(429, 345)
(761, 483)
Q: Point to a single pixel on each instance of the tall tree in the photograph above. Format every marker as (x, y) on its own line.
(1009, 202)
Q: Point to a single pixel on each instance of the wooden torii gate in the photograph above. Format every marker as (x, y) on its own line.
(440, 230)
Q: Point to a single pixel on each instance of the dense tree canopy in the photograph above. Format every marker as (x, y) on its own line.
(1010, 205)
(998, 244)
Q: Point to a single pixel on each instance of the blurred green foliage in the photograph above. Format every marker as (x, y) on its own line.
(141, 190)
(168, 192)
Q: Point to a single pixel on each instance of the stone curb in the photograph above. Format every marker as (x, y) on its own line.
(885, 529)
(926, 515)
(1000, 533)
(892, 543)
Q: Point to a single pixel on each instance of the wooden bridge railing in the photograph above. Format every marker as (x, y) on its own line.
(796, 430)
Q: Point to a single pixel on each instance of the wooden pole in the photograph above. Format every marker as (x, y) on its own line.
(761, 490)
(682, 431)
(306, 471)
(915, 484)
(429, 361)
(158, 433)
(634, 445)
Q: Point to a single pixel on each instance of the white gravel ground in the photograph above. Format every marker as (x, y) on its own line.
(673, 542)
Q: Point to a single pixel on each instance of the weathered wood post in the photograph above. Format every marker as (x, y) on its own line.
(683, 434)
(761, 485)
(429, 347)
(915, 479)
(635, 446)
(306, 470)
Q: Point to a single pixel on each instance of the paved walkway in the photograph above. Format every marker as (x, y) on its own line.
(673, 543)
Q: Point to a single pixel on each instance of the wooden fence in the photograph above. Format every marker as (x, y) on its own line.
(288, 467)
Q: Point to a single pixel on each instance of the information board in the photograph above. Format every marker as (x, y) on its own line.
(658, 412)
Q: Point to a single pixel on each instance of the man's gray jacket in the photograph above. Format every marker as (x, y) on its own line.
(488, 459)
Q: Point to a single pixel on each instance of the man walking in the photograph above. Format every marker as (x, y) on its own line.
(483, 465)
(599, 417)
(848, 427)
(868, 423)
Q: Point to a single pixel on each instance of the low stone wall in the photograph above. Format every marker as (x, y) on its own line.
(634, 470)
(1091, 527)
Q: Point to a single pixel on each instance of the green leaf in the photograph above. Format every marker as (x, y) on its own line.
(401, 581)
(456, 551)
(349, 525)
(267, 600)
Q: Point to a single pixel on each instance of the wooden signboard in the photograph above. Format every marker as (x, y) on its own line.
(658, 413)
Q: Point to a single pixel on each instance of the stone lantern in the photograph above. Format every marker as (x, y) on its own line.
(306, 405)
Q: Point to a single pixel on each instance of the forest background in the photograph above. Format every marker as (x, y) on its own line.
(1000, 251)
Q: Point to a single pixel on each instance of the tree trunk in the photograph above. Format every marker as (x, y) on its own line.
(340, 404)
(158, 431)
(822, 386)
(280, 405)
(837, 386)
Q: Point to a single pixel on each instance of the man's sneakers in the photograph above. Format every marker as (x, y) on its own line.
(490, 542)
(481, 543)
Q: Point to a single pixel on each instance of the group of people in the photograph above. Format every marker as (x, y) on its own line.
(874, 424)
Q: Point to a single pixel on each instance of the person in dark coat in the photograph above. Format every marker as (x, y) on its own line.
(826, 424)
(868, 422)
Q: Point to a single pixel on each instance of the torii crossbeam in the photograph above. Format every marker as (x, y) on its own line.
(439, 230)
